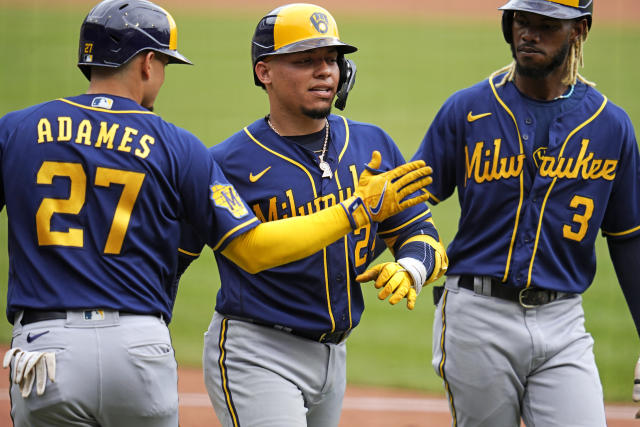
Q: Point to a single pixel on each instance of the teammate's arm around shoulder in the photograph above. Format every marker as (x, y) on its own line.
(378, 196)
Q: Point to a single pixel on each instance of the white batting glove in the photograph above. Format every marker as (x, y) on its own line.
(30, 367)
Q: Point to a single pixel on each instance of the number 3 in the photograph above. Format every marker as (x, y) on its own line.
(582, 220)
(132, 182)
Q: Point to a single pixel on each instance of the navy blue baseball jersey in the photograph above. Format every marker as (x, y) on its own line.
(548, 200)
(278, 179)
(95, 188)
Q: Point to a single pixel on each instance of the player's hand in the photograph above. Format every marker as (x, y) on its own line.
(636, 386)
(383, 192)
(30, 367)
(393, 279)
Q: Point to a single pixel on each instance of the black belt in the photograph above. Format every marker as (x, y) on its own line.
(527, 297)
(335, 337)
(33, 316)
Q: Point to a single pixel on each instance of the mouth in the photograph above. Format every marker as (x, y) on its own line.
(325, 92)
(528, 50)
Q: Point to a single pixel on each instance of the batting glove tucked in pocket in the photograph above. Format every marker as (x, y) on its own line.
(30, 367)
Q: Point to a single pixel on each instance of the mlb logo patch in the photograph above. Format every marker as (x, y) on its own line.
(88, 58)
(226, 197)
(102, 102)
(93, 315)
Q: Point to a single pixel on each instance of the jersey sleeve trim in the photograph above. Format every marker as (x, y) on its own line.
(621, 233)
(393, 230)
(233, 230)
(183, 251)
(103, 110)
(305, 170)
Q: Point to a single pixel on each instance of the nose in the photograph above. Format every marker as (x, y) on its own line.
(323, 68)
(530, 34)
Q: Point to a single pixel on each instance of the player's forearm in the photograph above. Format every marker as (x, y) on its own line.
(625, 255)
(279, 242)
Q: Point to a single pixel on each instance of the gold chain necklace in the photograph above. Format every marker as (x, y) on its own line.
(324, 166)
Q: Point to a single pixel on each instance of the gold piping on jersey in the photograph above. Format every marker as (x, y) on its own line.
(346, 138)
(223, 373)
(517, 219)
(103, 110)
(315, 196)
(621, 233)
(546, 197)
(444, 356)
(233, 230)
(188, 253)
(282, 156)
(415, 218)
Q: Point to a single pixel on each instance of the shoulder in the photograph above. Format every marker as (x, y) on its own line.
(239, 142)
(611, 114)
(340, 123)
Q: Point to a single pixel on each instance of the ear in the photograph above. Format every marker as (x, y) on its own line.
(147, 64)
(580, 28)
(263, 71)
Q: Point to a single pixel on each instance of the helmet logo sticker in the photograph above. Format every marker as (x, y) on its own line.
(320, 22)
(88, 48)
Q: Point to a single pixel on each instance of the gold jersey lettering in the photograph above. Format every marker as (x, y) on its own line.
(493, 166)
(44, 131)
(84, 133)
(64, 129)
(584, 166)
(106, 136)
(126, 139)
(145, 141)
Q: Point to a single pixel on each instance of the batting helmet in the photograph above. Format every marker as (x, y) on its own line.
(116, 30)
(559, 9)
(295, 28)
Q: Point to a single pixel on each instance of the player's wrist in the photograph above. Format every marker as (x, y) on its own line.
(356, 212)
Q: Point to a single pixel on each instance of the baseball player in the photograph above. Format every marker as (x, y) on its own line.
(275, 349)
(96, 187)
(541, 162)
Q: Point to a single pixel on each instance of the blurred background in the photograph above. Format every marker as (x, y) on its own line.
(412, 56)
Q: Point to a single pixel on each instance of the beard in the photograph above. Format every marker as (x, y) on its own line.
(542, 71)
(317, 113)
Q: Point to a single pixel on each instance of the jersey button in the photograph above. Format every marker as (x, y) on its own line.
(339, 277)
(528, 121)
(525, 137)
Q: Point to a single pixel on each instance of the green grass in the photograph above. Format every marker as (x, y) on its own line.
(406, 69)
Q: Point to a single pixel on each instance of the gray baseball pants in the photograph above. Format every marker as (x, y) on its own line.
(111, 371)
(501, 362)
(260, 376)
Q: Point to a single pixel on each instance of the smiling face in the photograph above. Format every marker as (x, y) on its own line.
(540, 43)
(302, 83)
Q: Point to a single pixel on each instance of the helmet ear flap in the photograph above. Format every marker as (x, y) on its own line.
(346, 81)
(507, 25)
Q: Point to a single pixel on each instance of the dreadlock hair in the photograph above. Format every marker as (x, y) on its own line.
(571, 77)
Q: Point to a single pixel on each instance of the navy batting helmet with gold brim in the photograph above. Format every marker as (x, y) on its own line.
(293, 28)
(558, 9)
(117, 30)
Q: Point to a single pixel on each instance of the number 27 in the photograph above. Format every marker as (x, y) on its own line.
(131, 181)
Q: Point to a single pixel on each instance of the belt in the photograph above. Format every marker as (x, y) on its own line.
(527, 297)
(33, 316)
(335, 337)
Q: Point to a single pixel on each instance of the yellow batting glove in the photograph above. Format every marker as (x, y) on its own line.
(383, 192)
(393, 279)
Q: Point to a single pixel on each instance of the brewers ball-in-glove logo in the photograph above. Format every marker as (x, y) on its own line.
(225, 196)
(320, 22)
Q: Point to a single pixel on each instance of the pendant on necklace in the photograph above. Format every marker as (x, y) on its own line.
(326, 169)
